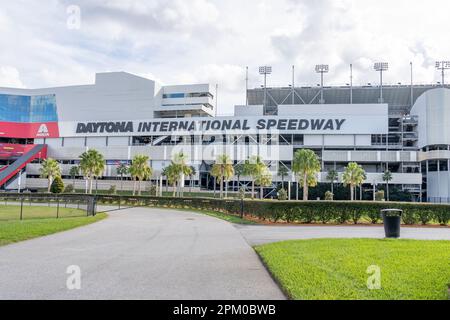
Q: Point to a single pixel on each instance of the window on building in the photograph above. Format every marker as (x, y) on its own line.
(173, 95)
(433, 166)
(443, 165)
(28, 109)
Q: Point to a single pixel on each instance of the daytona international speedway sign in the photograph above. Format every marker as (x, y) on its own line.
(179, 126)
(344, 125)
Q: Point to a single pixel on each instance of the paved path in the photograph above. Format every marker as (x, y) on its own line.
(139, 254)
(257, 235)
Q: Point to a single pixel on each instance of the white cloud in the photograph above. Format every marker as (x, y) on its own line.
(10, 77)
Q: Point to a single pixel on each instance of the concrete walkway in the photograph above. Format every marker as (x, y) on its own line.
(139, 254)
(257, 235)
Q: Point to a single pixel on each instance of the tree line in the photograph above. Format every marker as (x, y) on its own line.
(306, 166)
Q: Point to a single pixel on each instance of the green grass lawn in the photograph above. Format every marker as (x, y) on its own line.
(335, 269)
(12, 212)
(15, 231)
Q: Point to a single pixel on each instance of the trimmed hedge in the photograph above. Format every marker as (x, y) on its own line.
(298, 211)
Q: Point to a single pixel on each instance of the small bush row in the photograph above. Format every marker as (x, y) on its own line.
(299, 212)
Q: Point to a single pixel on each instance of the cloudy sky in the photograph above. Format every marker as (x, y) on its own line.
(178, 41)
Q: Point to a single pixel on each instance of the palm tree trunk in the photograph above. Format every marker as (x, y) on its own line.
(226, 189)
(121, 183)
(261, 190)
(221, 188)
(332, 187)
(139, 188)
(305, 188)
(174, 189)
(91, 185)
(351, 193)
(134, 187)
(387, 191)
(49, 184)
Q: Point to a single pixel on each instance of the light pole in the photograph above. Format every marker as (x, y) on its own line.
(443, 65)
(293, 85)
(322, 68)
(380, 67)
(246, 86)
(351, 83)
(412, 85)
(265, 70)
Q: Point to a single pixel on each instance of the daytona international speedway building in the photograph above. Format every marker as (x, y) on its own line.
(122, 115)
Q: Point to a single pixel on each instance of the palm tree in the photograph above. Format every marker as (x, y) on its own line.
(387, 177)
(183, 169)
(306, 165)
(223, 171)
(254, 168)
(74, 172)
(354, 175)
(283, 172)
(122, 170)
(50, 169)
(193, 172)
(165, 173)
(264, 179)
(172, 173)
(332, 176)
(140, 170)
(92, 165)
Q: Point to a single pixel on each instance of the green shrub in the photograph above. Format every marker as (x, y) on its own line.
(153, 191)
(329, 196)
(410, 217)
(282, 195)
(425, 216)
(57, 186)
(69, 189)
(374, 216)
(379, 196)
(303, 211)
(112, 190)
(442, 216)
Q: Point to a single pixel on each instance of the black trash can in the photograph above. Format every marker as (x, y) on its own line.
(392, 219)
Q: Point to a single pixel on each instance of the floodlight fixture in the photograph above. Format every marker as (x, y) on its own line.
(265, 70)
(381, 67)
(322, 69)
(442, 66)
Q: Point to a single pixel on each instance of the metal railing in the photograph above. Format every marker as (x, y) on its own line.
(43, 206)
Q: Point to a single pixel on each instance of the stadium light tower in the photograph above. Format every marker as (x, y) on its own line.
(381, 67)
(322, 68)
(265, 70)
(443, 65)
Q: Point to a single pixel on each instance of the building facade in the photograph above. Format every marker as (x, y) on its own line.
(122, 115)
